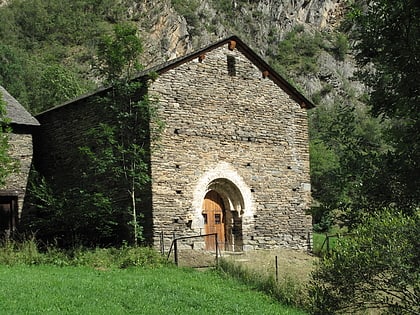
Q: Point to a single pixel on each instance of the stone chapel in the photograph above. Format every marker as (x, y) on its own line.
(233, 158)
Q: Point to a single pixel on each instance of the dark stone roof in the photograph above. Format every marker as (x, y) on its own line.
(15, 111)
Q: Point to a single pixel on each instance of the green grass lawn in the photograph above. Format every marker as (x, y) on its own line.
(165, 290)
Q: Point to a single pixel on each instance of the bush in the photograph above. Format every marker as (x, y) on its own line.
(298, 52)
(341, 46)
(377, 268)
(27, 252)
(19, 253)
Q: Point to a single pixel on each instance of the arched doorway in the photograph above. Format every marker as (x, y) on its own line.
(214, 214)
(221, 217)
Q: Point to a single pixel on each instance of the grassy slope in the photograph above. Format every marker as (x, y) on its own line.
(166, 290)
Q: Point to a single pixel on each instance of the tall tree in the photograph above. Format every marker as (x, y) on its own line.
(121, 147)
(387, 34)
(378, 267)
(345, 143)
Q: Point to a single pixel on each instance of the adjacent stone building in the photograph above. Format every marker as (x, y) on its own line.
(233, 157)
(21, 149)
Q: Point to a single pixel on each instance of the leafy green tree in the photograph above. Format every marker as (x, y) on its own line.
(345, 144)
(55, 85)
(17, 73)
(119, 152)
(45, 48)
(376, 152)
(118, 54)
(387, 34)
(378, 267)
(69, 218)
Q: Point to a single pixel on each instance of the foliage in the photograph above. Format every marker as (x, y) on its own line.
(298, 53)
(55, 85)
(38, 83)
(13, 72)
(45, 48)
(188, 10)
(7, 163)
(340, 46)
(344, 148)
(119, 150)
(38, 23)
(379, 267)
(118, 54)
(388, 46)
(287, 291)
(30, 252)
(362, 162)
(69, 218)
(104, 206)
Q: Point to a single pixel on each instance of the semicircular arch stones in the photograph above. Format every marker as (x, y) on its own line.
(226, 181)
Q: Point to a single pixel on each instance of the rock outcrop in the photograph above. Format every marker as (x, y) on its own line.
(261, 23)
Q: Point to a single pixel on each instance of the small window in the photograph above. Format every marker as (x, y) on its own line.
(217, 218)
(205, 218)
(231, 65)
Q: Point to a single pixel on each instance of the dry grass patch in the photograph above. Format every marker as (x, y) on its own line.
(291, 263)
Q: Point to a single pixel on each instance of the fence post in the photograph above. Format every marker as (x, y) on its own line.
(217, 250)
(328, 244)
(277, 270)
(162, 245)
(309, 242)
(176, 252)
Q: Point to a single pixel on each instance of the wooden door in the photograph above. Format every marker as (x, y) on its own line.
(214, 219)
(8, 215)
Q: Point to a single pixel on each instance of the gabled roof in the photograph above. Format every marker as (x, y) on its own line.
(266, 70)
(15, 111)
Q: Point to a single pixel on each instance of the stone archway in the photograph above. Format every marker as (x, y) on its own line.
(235, 202)
(232, 204)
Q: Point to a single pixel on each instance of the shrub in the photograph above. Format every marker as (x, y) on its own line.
(341, 46)
(16, 253)
(377, 268)
(27, 252)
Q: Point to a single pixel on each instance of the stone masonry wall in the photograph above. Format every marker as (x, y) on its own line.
(224, 120)
(20, 148)
(225, 126)
(57, 143)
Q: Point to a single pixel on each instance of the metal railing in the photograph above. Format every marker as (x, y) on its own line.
(174, 247)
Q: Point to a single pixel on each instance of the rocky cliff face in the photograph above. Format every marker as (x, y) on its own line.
(170, 33)
(173, 28)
